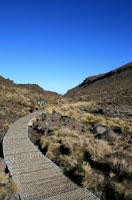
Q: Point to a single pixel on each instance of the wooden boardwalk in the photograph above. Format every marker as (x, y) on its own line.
(37, 177)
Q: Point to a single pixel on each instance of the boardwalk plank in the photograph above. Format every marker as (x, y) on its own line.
(37, 177)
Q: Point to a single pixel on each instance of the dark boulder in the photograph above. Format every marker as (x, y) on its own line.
(101, 131)
(35, 125)
(117, 129)
(55, 115)
(43, 116)
(91, 110)
(44, 124)
(98, 111)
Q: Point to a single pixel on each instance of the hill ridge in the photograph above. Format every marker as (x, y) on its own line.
(92, 79)
(105, 86)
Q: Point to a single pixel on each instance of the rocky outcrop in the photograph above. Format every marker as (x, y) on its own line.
(48, 123)
(101, 131)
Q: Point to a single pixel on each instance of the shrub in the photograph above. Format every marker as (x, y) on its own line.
(7, 187)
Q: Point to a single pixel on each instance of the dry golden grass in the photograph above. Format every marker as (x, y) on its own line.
(92, 119)
(109, 121)
(83, 147)
(73, 110)
(7, 187)
(3, 177)
(123, 188)
(68, 162)
(130, 169)
(120, 164)
(77, 145)
(67, 132)
(79, 104)
(98, 149)
(18, 100)
(90, 178)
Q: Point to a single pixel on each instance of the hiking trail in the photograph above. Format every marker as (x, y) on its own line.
(37, 177)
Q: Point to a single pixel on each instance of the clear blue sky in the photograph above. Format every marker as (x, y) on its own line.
(58, 43)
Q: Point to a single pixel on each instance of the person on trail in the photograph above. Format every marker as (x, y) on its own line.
(39, 103)
(58, 101)
(42, 104)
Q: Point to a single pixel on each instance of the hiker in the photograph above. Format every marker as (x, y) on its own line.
(39, 103)
(58, 101)
(42, 104)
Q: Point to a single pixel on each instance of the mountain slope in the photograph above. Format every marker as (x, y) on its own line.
(112, 87)
(17, 100)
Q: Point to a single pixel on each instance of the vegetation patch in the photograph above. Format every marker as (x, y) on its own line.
(87, 148)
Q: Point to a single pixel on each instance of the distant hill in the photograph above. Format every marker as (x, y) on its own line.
(48, 95)
(114, 87)
(17, 100)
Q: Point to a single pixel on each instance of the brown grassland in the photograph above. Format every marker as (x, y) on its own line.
(101, 165)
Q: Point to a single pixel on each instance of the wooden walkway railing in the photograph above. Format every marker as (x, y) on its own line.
(37, 177)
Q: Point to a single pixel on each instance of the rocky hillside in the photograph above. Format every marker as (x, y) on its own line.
(114, 87)
(17, 100)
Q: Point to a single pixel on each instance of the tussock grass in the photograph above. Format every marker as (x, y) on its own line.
(123, 188)
(76, 145)
(120, 164)
(91, 179)
(98, 149)
(83, 155)
(7, 187)
(74, 110)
